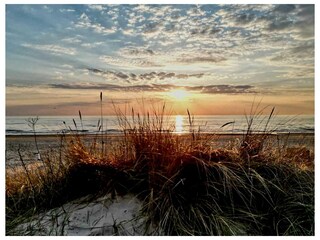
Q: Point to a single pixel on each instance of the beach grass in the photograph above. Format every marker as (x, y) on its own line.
(187, 186)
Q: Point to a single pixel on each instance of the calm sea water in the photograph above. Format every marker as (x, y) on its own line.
(178, 123)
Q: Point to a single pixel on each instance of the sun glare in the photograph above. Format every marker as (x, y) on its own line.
(179, 123)
(178, 94)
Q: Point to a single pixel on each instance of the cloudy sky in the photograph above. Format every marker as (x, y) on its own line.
(211, 59)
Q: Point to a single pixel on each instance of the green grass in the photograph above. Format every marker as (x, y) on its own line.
(187, 186)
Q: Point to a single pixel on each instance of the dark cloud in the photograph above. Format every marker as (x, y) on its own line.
(151, 27)
(305, 21)
(198, 75)
(114, 87)
(209, 89)
(143, 76)
(245, 18)
(223, 89)
(280, 24)
(80, 86)
(209, 59)
(121, 75)
(95, 70)
(138, 51)
(284, 8)
(206, 30)
(110, 74)
(306, 11)
(297, 19)
(293, 17)
(306, 48)
(302, 52)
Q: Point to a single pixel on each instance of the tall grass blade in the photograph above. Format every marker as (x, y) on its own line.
(226, 124)
(80, 116)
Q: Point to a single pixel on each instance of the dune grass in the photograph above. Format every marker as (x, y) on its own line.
(187, 186)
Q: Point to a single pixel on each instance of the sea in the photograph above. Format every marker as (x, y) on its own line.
(220, 124)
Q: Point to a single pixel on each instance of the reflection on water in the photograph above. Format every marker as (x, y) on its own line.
(56, 124)
(179, 124)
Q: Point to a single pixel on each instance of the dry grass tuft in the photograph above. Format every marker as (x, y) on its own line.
(188, 187)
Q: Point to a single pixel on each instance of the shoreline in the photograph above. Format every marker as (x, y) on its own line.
(26, 143)
(91, 135)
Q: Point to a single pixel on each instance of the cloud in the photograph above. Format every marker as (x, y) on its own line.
(151, 27)
(303, 50)
(149, 76)
(92, 45)
(233, 31)
(282, 18)
(66, 10)
(208, 59)
(85, 23)
(284, 8)
(305, 21)
(205, 30)
(51, 48)
(195, 11)
(297, 54)
(169, 43)
(137, 52)
(245, 18)
(223, 89)
(298, 19)
(242, 16)
(207, 89)
(76, 39)
(133, 57)
(128, 62)
(299, 73)
(148, 57)
(280, 23)
(67, 66)
(113, 87)
(110, 75)
(97, 7)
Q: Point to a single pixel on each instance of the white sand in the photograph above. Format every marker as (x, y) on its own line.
(104, 216)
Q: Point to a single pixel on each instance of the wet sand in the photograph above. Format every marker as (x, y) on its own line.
(53, 143)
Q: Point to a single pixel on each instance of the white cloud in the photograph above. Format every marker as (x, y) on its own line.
(128, 62)
(53, 49)
(67, 66)
(64, 10)
(91, 45)
(148, 57)
(299, 73)
(85, 23)
(97, 7)
(75, 39)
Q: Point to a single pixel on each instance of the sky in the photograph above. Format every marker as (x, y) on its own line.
(210, 59)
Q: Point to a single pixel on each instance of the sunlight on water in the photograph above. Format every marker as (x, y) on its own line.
(53, 125)
(179, 124)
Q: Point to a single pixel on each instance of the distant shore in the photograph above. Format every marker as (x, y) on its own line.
(26, 143)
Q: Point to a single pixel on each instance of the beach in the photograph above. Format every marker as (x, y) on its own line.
(56, 143)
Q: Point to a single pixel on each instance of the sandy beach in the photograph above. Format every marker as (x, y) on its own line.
(47, 143)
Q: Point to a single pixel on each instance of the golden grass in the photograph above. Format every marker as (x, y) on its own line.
(188, 186)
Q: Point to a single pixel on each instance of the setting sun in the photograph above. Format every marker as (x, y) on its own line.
(179, 94)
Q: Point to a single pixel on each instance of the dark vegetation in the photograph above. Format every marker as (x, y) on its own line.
(187, 186)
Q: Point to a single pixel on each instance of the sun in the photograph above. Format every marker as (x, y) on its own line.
(179, 94)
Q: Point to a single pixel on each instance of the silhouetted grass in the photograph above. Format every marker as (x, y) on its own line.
(187, 186)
